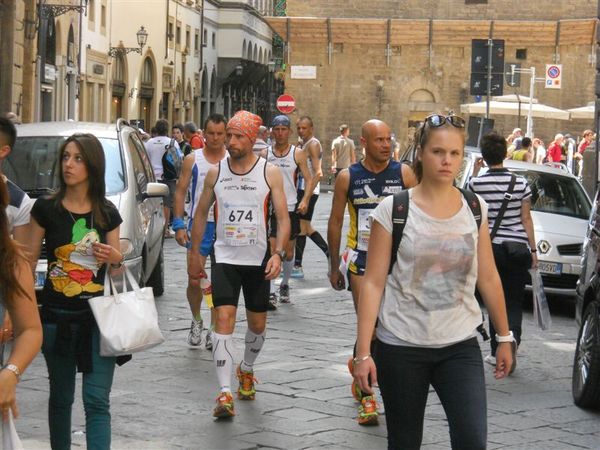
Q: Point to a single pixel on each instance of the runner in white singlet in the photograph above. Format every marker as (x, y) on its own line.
(241, 188)
(314, 151)
(194, 170)
(292, 161)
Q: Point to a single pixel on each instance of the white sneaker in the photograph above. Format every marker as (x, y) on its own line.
(195, 335)
(489, 359)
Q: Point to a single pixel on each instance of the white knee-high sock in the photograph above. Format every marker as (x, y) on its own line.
(287, 272)
(254, 343)
(223, 359)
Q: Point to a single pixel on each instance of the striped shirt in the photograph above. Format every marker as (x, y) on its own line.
(492, 186)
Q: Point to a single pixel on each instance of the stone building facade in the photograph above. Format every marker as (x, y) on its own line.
(399, 61)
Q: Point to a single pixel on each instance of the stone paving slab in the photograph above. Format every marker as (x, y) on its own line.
(163, 398)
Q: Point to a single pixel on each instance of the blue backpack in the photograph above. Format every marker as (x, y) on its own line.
(172, 161)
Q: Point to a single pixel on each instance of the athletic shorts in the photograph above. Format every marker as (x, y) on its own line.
(294, 225)
(228, 279)
(208, 240)
(311, 205)
(168, 200)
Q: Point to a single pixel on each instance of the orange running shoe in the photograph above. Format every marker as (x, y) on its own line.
(367, 411)
(246, 389)
(224, 406)
(356, 392)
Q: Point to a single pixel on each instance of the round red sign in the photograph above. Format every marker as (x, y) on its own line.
(286, 103)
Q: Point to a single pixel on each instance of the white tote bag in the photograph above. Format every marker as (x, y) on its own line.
(128, 321)
(10, 438)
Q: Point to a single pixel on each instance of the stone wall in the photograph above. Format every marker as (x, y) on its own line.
(445, 9)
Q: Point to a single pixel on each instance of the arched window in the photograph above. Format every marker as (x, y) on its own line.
(244, 49)
(249, 55)
(147, 73)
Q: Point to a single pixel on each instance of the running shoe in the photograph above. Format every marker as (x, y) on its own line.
(367, 411)
(272, 305)
(356, 392)
(297, 272)
(224, 406)
(246, 389)
(209, 340)
(195, 335)
(490, 359)
(284, 293)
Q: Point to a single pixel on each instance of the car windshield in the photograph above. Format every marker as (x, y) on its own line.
(556, 194)
(32, 164)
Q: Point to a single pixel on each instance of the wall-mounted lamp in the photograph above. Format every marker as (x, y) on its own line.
(271, 66)
(142, 38)
(30, 26)
(132, 92)
(239, 69)
(186, 104)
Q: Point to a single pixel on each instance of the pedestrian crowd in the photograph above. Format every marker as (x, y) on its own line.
(243, 196)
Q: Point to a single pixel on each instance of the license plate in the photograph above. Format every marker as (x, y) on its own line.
(550, 268)
(40, 279)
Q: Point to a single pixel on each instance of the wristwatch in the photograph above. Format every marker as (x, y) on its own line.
(14, 369)
(282, 254)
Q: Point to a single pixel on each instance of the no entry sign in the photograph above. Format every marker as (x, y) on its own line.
(286, 103)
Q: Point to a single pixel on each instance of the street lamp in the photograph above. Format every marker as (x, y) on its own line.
(239, 69)
(142, 38)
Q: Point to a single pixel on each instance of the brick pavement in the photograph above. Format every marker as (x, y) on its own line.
(163, 398)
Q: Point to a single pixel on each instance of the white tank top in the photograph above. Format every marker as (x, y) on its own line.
(241, 210)
(302, 183)
(199, 170)
(289, 170)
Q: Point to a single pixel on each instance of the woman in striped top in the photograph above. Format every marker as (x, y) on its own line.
(514, 242)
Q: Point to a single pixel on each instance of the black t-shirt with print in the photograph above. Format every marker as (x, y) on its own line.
(73, 274)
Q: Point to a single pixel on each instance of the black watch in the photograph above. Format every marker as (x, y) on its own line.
(282, 254)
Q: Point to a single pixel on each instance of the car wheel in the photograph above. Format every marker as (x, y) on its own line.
(586, 366)
(157, 278)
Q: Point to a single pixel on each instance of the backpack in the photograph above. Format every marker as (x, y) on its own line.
(172, 161)
(400, 214)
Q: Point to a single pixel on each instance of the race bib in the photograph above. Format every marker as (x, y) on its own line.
(241, 226)
(364, 229)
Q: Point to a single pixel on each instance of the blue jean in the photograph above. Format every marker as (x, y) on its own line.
(96, 391)
(455, 372)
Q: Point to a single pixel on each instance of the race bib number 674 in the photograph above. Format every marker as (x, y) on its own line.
(241, 226)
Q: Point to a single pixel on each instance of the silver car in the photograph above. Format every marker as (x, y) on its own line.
(130, 185)
(560, 209)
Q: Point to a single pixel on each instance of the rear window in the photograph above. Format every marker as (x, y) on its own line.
(32, 164)
(557, 194)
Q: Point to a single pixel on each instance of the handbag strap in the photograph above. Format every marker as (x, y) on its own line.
(109, 285)
(507, 197)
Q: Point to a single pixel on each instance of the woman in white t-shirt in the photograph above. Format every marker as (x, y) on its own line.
(425, 311)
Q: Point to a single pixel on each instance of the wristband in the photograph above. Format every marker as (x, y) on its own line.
(358, 360)
(14, 369)
(178, 224)
(533, 250)
(508, 338)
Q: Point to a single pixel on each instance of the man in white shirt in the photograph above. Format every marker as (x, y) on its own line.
(156, 147)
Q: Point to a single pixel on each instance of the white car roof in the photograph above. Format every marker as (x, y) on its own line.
(520, 165)
(66, 129)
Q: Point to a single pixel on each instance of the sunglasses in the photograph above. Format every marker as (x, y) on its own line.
(438, 120)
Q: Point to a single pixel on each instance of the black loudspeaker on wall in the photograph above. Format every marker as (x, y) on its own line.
(478, 126)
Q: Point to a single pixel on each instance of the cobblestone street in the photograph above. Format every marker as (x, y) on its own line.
(163, 398)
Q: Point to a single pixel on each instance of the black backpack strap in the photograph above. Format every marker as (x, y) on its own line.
(399, 215)
(507, 197)
(474, 205)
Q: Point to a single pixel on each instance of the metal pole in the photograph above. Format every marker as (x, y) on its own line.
(489, 78)
(530, 112)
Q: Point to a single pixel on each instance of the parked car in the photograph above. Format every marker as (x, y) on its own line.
(586, 364)
(130, 185)
(560, 209)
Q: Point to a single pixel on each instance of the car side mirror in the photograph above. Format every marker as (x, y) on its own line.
(156, 190)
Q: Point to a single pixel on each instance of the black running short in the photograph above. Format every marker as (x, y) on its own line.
(228, 279)
(311, 205)
(294, 224)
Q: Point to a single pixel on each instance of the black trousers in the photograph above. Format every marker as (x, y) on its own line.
(514, 276)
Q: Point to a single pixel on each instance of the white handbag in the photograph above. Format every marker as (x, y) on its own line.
(10, 438)
(128, 321)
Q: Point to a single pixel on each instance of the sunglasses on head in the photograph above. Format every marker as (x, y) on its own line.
(438, 120)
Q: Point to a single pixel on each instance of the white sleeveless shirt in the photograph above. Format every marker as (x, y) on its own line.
(241, 210)
(289, 170)
(302, 184)
(199, 170)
